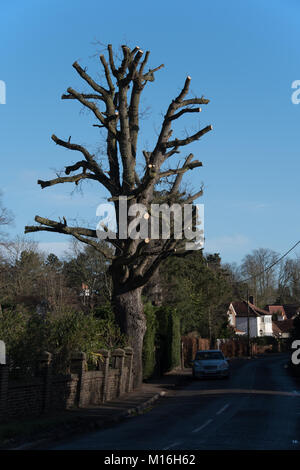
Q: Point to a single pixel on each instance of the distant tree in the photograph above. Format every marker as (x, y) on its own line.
(31, 282)
(53, 261)
(89, 268)
(21, 274)
(201, 289)
(263, 283)
(289, 281)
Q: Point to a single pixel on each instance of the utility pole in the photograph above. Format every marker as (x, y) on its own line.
(248, 324)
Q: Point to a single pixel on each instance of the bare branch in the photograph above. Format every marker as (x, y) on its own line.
(67, 179)
(193, 101)
(111, 60)
(149, 76)
(107, 74)
(102, 178)
(147, 156)
(72, 146)
(183, 111)
(172, 152)
(143, 64)
(192, 198)
(133, 66)
(166, 131)
(184, 90)
(81, 233)
(84, 95)
(188, 140)
(125, 62)
(178, 178)
(166, 251)
(82, 164)
(178, 171)
(89, 80)
(93, 108)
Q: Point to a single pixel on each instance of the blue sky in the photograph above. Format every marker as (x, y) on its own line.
(242, 55)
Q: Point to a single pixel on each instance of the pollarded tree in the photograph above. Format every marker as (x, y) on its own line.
(118, 113)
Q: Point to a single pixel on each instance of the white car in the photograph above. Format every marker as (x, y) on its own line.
(210, 363)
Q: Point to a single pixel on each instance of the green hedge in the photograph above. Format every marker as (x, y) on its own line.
(174, 340)
(27, 335)
(169, 338)
(162, 341)
(149, 346)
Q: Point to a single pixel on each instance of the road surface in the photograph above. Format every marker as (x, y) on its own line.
(257, 408)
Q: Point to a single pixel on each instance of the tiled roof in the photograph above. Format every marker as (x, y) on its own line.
(259, 310)
(242, 311)
(284, 326)
(276, 309)
(275, 328)
(239, 331)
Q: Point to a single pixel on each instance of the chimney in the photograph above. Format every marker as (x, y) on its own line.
(251, 299)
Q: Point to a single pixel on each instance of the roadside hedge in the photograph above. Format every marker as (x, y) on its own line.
(162, 343)
(27, 335)
(149, 345)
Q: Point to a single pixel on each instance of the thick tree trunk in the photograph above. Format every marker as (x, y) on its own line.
(129, 312)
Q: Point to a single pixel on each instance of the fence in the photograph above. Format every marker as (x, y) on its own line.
(80, 388)
(191, 344)
(231, 347)
(238, 347)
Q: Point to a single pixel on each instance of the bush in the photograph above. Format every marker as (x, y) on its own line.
(265, 340)
(169, 338)
(149, 347)
(174, 340)
(13, 326)
(27, 335)
(104, 312)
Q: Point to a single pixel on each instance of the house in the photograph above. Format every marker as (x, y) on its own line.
(260, 321)
(283, 312)
(85, 290)
(283, 316)
(277, 312)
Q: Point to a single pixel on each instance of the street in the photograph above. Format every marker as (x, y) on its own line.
(257, 408)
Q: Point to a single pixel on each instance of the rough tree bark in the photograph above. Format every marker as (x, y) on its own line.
(129, 311)
(117, 110)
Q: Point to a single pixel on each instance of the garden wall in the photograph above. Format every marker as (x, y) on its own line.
(46, 392)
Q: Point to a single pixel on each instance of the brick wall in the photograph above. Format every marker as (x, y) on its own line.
(47, 392)
(25, 398)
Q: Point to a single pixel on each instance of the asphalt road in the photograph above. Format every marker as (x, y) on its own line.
(257, 408)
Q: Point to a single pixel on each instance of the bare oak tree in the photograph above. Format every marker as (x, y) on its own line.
(116, 106)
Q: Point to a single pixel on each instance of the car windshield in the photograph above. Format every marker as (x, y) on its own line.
(208, 355)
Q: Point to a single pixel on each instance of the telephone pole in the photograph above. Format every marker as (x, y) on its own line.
(248, 324)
